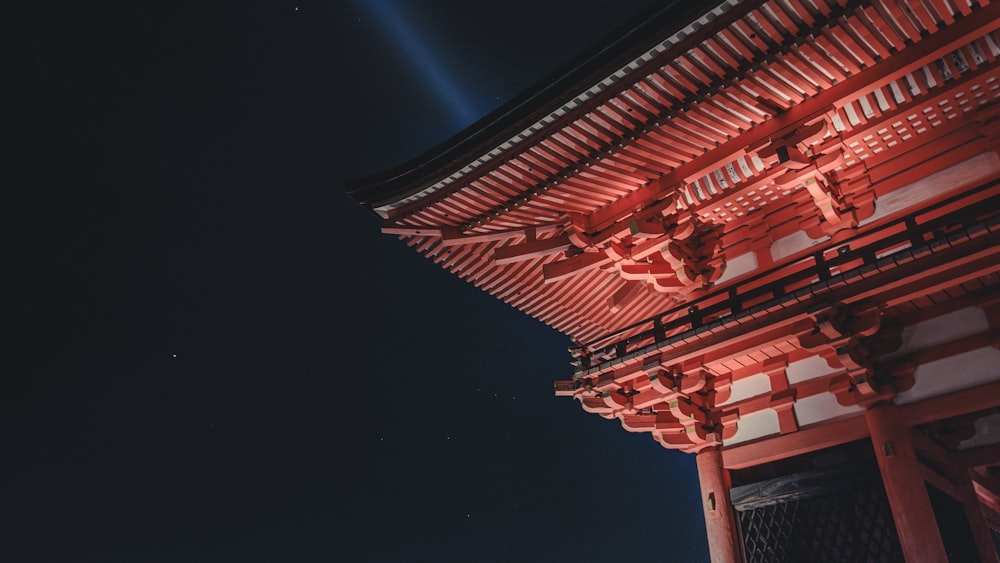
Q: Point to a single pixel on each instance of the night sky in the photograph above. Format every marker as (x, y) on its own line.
(217, 356)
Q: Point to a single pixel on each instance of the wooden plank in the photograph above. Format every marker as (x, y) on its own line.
(555, 271)
(953, 404)
(823, 435)
(529, 250)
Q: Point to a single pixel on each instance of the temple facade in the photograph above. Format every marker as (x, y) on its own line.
(772, 231)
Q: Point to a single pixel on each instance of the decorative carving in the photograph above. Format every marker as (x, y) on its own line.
(670, 256)
(668, 252)
(853, 341)
(675, 403)
(835, 209)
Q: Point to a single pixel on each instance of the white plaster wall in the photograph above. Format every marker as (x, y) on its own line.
(947, 180)
(954, 373)
(823, 406)
(952, 178)
(939, 330)
(736, 267)
(809, 368)
(749, 387)
(755, 425)
(788, 245)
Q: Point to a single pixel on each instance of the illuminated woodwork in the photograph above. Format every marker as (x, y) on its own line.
(765, 226)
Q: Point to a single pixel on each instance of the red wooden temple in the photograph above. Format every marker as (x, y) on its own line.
(772, 230)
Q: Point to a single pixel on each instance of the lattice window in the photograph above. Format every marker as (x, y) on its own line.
(846, 526)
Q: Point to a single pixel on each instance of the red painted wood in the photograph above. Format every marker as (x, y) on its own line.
(720, 519)
(904, 486)
(742, 146)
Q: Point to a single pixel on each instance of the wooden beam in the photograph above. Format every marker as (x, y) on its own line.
(936, 456)
(866, 81)
(953, 404)
(948, 349)
(555, 271)
(973, 505)
(891, 283)
(820, 436)
(975, 457)
(987, 495)
(533, 249)
(905, 487)
(923, 275)
(452, 236)
(411, 231)
(940, 482)
(625, 295)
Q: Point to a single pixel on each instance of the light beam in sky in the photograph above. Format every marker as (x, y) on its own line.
(428, 65)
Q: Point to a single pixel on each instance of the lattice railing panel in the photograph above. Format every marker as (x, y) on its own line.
(846, 526)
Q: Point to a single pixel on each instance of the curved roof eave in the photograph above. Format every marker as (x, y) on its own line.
(543, 99)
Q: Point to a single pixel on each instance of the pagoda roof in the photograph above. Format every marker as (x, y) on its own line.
(527, 108)
(704, 151)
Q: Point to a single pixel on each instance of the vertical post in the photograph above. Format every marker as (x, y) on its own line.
(720, 521)
(980, 530)
(904, 486)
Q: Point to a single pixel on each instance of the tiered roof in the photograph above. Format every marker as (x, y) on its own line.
(795, 173)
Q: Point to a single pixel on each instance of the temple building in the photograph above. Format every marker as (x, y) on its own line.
(772, 231)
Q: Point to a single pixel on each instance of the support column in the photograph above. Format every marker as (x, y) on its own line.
(904, 486)
(980, 530)
(720, 520)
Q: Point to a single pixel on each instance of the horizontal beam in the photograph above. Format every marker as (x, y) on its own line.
(411, 231)
(974, 457)
(451, 236)
(953, 404)
(555, 271)
(532, 249)
(945, 260)
(821, 436)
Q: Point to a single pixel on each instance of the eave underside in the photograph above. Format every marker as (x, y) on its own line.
(732, 143)
(781, 217)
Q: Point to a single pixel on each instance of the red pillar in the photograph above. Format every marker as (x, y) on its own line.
(980, 530)
(720, 520)
(904, 486)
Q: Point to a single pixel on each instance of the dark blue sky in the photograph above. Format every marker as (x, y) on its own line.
(218, 357)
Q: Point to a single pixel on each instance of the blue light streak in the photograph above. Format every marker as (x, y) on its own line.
(428, 66)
